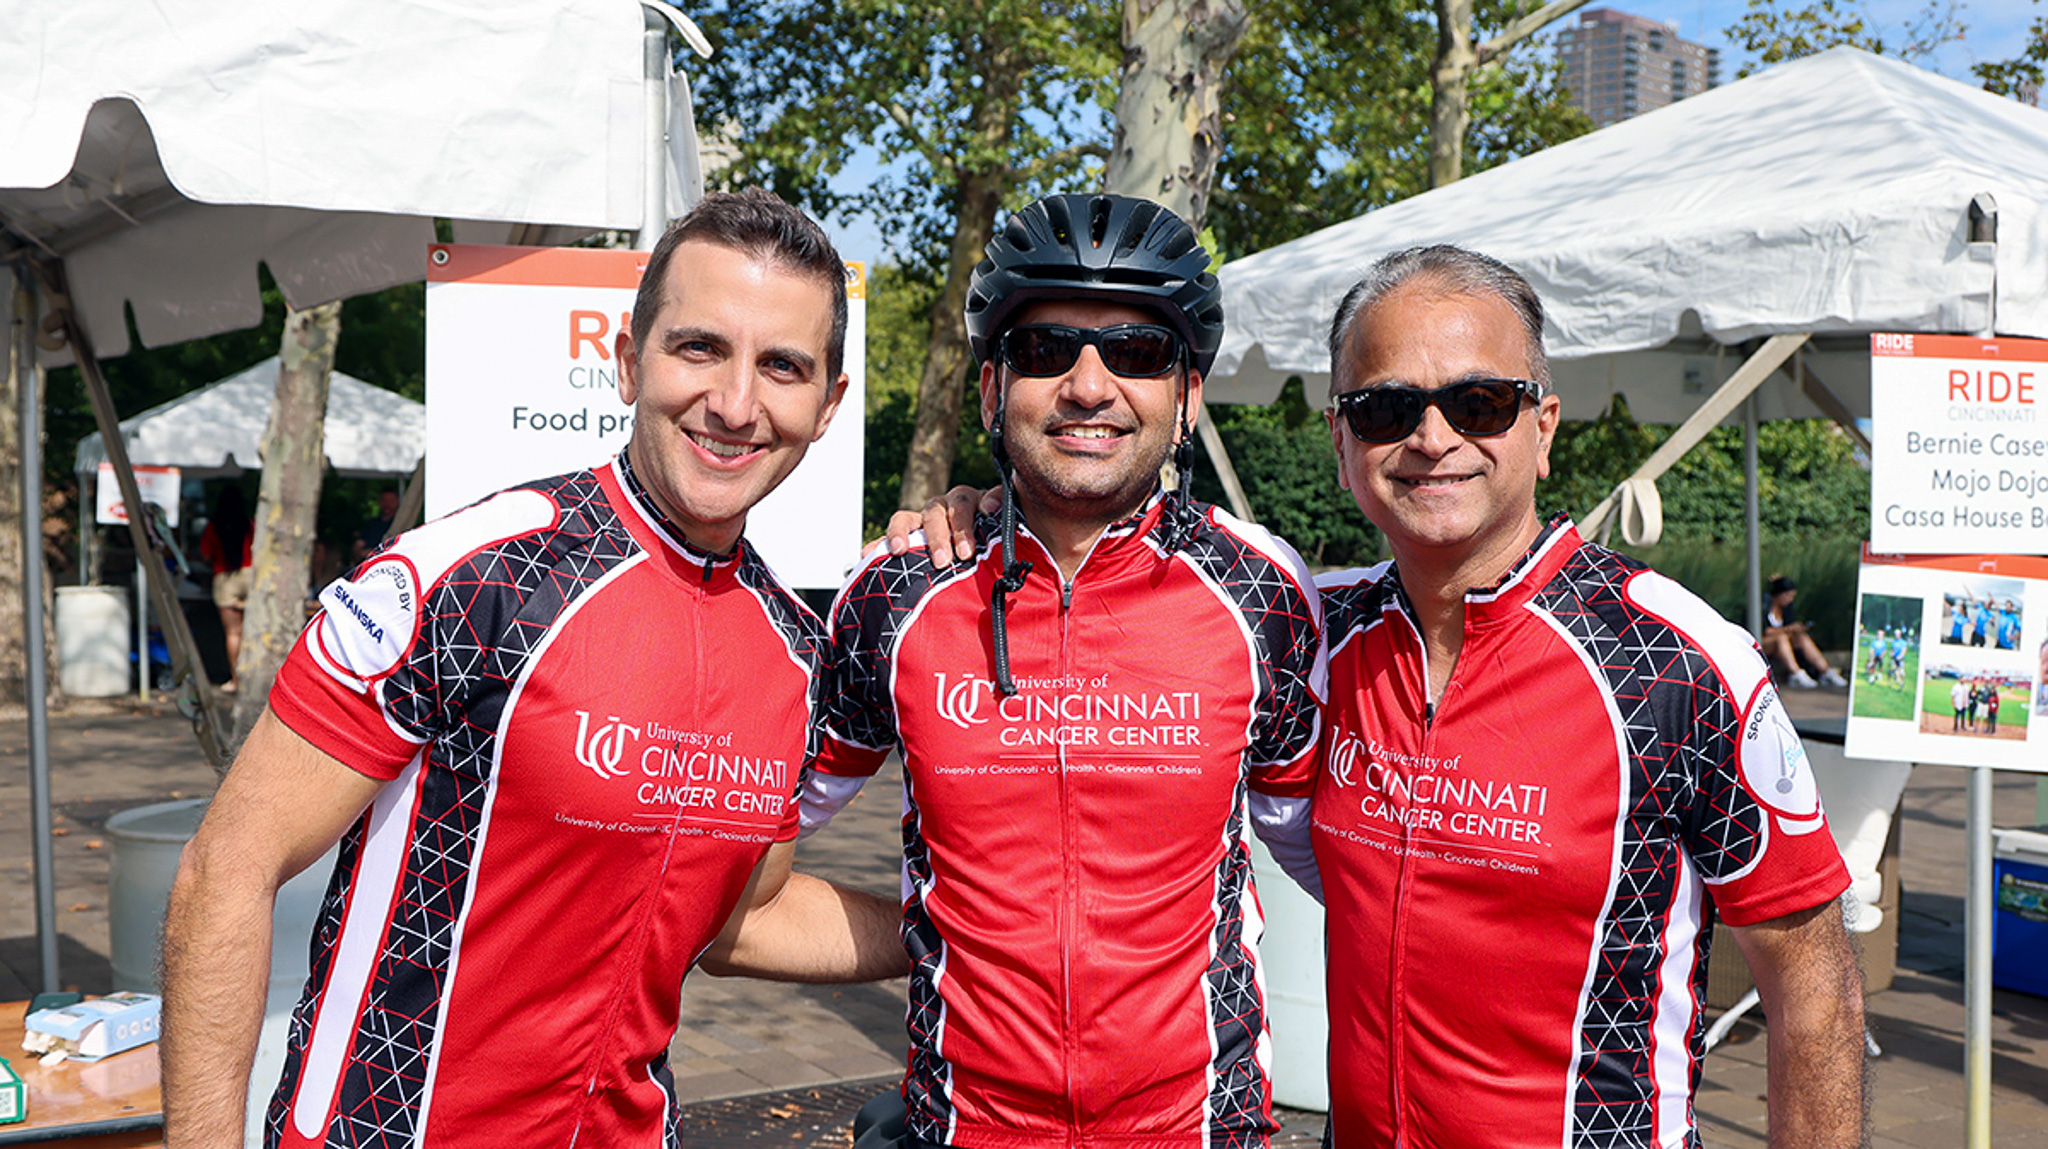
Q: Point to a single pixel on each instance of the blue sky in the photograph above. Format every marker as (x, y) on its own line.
(1996, 30)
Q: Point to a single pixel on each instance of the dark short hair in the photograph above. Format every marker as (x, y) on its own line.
(1457, 272)
(759, 224)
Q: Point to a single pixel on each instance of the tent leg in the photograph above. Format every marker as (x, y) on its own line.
(411, 501)
(1212, 442)
(654, 64)
(210, 722)
(35, 682)
(1752, 526)
(1718, 406)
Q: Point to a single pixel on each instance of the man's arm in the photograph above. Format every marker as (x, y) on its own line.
(794, 927)
(282, 804)
(1812, 992)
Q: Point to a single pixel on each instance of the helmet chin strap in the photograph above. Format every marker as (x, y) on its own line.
(1180, 514)
(1012, 578)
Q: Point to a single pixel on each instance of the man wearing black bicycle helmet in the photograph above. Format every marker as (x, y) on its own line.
(1093, 712)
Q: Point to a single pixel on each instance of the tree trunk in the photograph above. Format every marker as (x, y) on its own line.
(294, 457)
(20, 572)
(1169, 124)
(928, 470)
(1450, 76)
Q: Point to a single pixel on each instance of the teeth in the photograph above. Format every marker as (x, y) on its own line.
(722, 450)
(1089, 433)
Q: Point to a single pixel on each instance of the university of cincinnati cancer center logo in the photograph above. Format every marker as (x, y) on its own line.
(960, 702)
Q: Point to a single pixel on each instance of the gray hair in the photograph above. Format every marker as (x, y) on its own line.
(1457, 272)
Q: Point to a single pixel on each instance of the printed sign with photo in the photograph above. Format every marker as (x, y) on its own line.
(1951, 661)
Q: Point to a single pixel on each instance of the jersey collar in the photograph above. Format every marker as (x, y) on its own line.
(643, 507)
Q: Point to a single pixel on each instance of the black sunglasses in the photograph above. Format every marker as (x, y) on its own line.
(1478, 408)
(1133, 350)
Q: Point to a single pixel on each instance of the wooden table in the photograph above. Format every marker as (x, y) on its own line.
(112, 1103)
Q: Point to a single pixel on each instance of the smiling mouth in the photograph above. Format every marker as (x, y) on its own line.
(1089, 431)
(1432, 481)
(722, 449)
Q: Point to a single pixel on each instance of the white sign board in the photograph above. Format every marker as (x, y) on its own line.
(1951, 661)
(521, 384)
(1958, 445)
(159, 485)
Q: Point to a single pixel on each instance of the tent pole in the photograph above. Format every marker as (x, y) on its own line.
(1752, 528)
(210, 721)
(1219, 457)
(410, 502)
(1719, 406)
(35, 682)
(654, 64)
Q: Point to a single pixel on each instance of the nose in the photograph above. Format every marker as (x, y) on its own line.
(1089, 383)
(1434, 436)
(733, 400)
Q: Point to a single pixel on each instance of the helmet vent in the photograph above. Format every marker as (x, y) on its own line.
(1098, 220)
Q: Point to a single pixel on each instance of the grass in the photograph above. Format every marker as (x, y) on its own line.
(1884, 698)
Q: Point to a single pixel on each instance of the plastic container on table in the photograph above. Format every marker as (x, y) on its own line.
(2019, 924)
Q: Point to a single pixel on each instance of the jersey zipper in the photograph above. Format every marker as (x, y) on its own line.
(1071, 905)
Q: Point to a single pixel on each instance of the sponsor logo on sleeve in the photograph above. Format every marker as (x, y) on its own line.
(1774, 765)
(370, 620)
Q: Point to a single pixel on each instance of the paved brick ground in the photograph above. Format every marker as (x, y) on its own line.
(748, 1049)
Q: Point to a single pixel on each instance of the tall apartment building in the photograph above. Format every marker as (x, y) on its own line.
(1617, 65)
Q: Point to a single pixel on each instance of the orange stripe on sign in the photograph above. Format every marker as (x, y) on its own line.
(1917, 346)
(534, 266)
(2012, 566)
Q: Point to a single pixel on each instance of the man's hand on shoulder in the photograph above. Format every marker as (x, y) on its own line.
(947, 522)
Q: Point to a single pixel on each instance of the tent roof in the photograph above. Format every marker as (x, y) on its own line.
(1828, 195)
(216, 429)
(165, 149)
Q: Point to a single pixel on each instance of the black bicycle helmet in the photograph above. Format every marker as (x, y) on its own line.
(1110, 247)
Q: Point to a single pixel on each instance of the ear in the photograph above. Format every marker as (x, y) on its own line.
(988, 396)
(1194, 411)
(627, 355)
(1549, 412)
(833, 396)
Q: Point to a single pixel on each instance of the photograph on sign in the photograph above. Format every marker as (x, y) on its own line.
(522, 383)
(1951, 661)
(1958, 445)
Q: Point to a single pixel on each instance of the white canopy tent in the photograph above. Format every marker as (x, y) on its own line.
(216, 430)
(1831, 197)
(151, 156)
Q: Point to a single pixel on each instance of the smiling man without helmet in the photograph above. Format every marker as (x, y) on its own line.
(1547, 770)
(559, 734)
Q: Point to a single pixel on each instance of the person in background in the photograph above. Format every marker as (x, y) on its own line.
(1991, 708)
(1959, 698)
(371, 534)
(1786, 642)
(226, 545)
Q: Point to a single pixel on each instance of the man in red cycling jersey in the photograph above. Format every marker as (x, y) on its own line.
(559, 734)
(1094, 711)
(1546, 771)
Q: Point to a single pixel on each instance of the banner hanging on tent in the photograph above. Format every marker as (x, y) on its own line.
(1951, 661)
(1958, 445)
(522, 384)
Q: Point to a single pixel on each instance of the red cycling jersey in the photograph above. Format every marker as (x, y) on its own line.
(1079, 907)
(590, 734)
(1520, 880)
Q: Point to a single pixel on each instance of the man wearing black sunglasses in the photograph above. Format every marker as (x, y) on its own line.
(1093, 708)
(1547, 771)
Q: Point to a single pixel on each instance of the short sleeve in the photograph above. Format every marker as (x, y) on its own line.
(332, 688)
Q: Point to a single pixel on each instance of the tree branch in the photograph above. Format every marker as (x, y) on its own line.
(1065, 155)
(1527, 26)
(934, 156)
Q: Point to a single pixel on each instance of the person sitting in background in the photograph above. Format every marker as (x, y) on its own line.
(226, 545)
(1787, 644)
